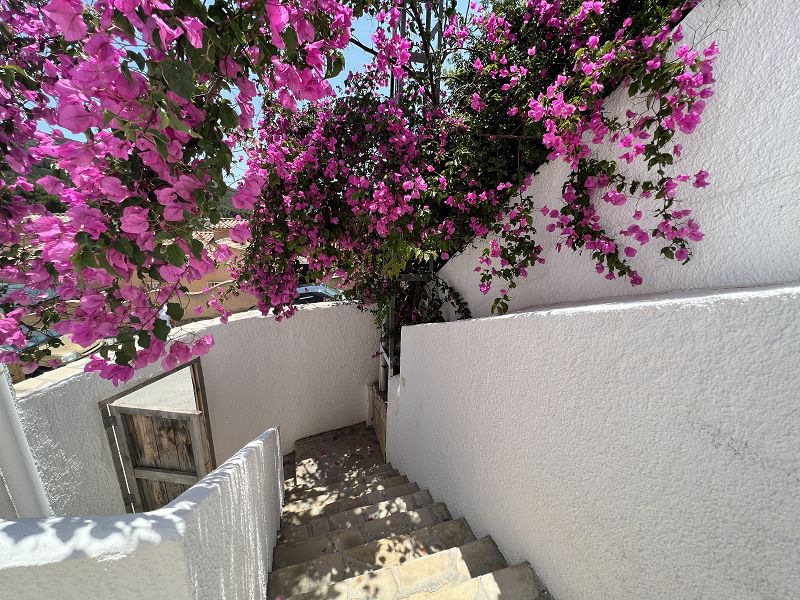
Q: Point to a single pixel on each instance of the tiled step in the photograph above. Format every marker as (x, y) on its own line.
(300, 493)
(372, 556)
(343, 492)
(346, 476)
(362, 444)
(312, 469)
(423, 575)
(517, 583)
(332, 475)
(313, 442)
(289, 518)
(355, 517)
(344, 539)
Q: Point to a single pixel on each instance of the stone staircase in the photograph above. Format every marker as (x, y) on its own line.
(352, 528)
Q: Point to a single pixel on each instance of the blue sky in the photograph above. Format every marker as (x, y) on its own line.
(355, 57)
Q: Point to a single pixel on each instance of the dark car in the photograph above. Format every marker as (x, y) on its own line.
(309, 294)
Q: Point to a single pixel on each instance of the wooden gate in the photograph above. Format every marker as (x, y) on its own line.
(163, 452)
(159, 449)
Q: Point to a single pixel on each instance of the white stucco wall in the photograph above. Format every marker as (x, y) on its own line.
(637, 450)
(747, 141)
(305, 375)
(7, 510)
(214, 541)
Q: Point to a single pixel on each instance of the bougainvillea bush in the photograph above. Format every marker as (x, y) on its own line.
(367, 186)
(122, 116)
(121, 120)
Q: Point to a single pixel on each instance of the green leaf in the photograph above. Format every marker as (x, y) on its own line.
(161, 146)
(175, 255)
(174, 311)
(227, 116)
(137, 58)
(122, 22)
(197, 248)
(290, 39)
(144, 339)
(335, 65)
(161, 329)
(179, 77)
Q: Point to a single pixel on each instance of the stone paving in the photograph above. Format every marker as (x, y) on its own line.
(352, 528)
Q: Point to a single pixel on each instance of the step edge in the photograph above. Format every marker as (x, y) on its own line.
(502, 564)
(320, 537)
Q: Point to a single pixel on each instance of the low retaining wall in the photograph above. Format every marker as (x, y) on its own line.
(633, 450)
(214, 541)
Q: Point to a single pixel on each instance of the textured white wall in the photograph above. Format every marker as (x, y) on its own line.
(7, 510)
(637, 450)
(305, 375)
(748, 142)
(214, 541)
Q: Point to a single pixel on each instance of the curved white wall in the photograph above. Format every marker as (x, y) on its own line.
(747, 141)
(305, 375)
(630, 451)
(214, 541)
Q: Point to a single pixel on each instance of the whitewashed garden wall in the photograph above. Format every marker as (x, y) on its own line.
(214, 541)
(749, 144)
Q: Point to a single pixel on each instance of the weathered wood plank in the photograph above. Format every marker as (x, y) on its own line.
(166, 475)
(155, 412)
(124, 444)
(173, 490)
(165, 438)
(202, 405)
(150, 458)
(183, 445)
(146, 441)
(197, 446)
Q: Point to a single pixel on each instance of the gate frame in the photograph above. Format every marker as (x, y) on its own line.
(118, 443)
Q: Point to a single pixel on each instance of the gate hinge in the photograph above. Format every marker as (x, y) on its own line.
(109, 420)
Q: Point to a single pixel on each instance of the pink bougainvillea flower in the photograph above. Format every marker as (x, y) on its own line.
(75, 117)
(241, 233)
(229, 67)
(52, 185)
(114, 189)
(168, 34)
(67, 18)
(202, 345)
(134, 219)
(701, 179)
(278, 17)
(11, 333)
(193, 28)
